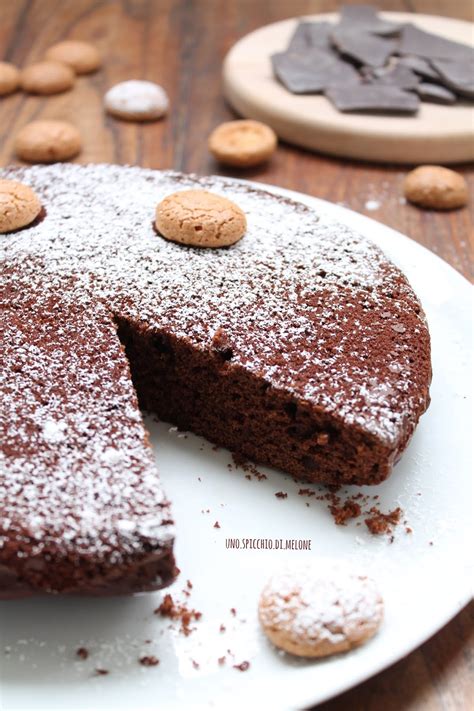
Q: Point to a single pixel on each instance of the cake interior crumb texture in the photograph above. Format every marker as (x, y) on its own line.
(301, 347)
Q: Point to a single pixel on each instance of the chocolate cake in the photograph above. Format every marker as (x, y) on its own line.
(301, 347)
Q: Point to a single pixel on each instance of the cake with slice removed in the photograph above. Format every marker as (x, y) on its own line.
(301, 346)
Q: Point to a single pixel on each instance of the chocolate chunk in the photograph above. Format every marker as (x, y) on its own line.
(430, 46)
(310, 34)
(419, 65)
(299, 38)
(434, 93)
(396, 75)
(365, 16)
(456, 75)
(319, 34)
(364, 47)
(378, 98)
(312, 71)
(322, 57)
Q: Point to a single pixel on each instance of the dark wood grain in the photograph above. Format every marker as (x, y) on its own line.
(181, 44)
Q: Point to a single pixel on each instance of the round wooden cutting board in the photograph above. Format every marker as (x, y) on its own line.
(437, 134)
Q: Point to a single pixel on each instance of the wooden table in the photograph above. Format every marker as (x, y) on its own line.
(180, 44)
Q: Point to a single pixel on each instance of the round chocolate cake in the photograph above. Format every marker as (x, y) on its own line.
(301, 347)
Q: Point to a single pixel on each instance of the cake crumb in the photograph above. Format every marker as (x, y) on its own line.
(243, 666)
(221, 661)
(195, 664)
(341, 514)
(177, 611)
(281, 495)
(217, 524)
(379, 523)
(149, 661)
(82, 653)
(222, 628)
(98, 671)
(248, 467)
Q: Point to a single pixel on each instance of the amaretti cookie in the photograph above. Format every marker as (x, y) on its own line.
(47, 78)
(82, 57)
(200, 218)
(312, 610)
(9, 78)
(48, 141)
(436, 187)
(19, 205)
(242, 143)
(136, 100)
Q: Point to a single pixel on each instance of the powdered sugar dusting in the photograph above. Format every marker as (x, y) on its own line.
(312, 604)
(76, 463)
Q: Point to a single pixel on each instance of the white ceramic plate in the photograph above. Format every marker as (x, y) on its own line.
(424, 576)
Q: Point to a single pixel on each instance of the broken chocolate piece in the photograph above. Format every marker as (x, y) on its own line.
(364, 47)
(380, 59)
(457, 75)
(396, 75)
(430, 46)
(319, 34)
(312, 71)
(434, 93)
(373, 98)
(366, 17)
(419, 65)
(299, 38)
(311, 34)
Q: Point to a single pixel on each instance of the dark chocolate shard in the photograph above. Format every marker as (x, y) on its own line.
(419, 65)
(456, 75)
(311, 34)
(312, 71)
(319, 34)
(364, 47)
(299, 39)
(395, 75)
(378, 98)
(366, 17)
(430, 46)
(435, 94)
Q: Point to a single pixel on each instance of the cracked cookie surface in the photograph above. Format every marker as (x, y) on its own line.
(200, 218)
(19, 205)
